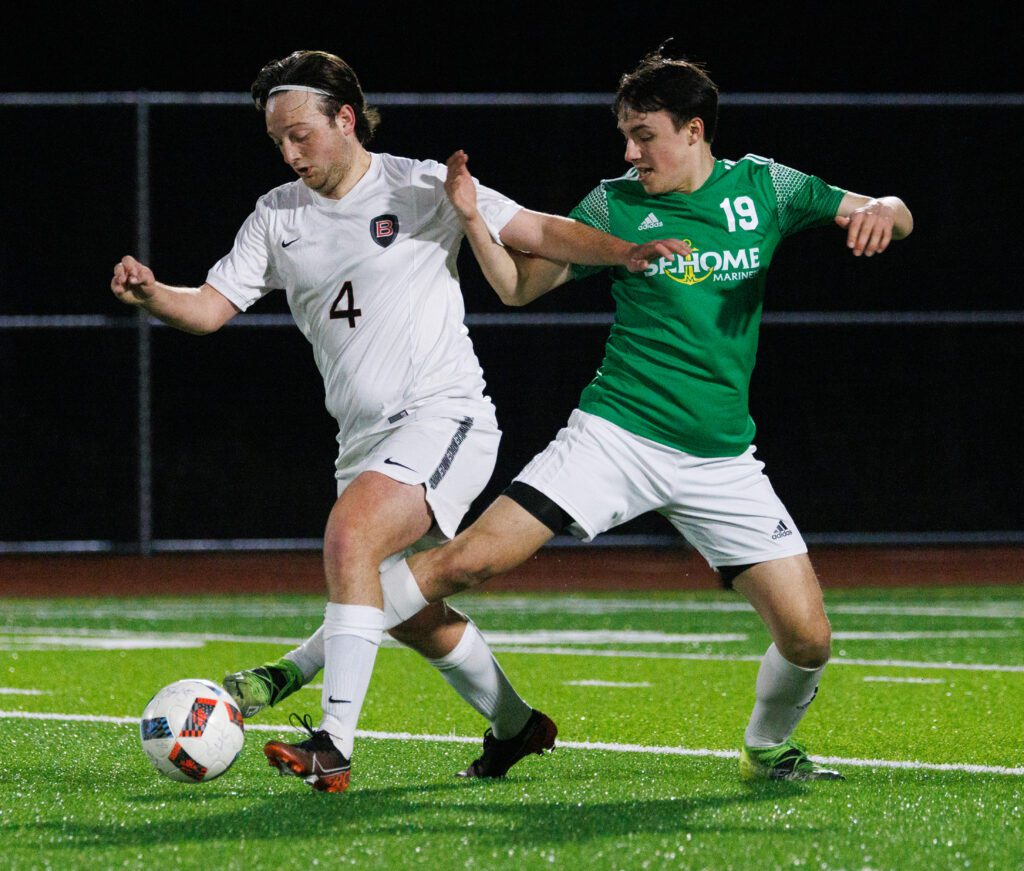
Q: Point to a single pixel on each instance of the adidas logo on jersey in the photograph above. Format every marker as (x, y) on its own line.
(781, 531)
(650, 222)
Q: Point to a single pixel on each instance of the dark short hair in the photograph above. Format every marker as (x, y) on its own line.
(319, 69)
(665, 81)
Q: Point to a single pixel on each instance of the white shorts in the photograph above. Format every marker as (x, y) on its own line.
(452, 457)
(602, 475)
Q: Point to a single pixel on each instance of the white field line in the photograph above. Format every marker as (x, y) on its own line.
(637, 636)
(46, 634)
(109, 639)
(725, 657)
(883, 679)
(607, 636)
(86, 642)
(1008, 609)
(606, 683)
(572, 745)
(16, 691)
(80, 632)
(916, 636)
(173, 609)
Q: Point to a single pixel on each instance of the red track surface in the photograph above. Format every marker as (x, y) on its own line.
(556, 570)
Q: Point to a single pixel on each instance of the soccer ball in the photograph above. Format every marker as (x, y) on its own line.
(192, 730)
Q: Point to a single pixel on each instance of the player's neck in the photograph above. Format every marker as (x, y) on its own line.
(360, 164)
(701, 171)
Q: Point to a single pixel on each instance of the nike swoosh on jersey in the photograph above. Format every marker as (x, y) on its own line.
(286, 244)
(389, 462)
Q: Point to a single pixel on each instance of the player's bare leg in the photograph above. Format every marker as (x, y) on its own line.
(504, 536)
(787, 596)
(375, 516)
(454, 646)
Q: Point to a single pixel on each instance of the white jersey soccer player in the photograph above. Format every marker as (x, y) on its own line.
(372, 284)
(365, 246)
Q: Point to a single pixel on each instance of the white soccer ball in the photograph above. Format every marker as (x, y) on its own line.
(192, 730)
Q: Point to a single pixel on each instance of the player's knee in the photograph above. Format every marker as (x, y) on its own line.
(341, 552)
(466, 563)
(432, 632)
(426, 623)
(810, 646)
(349, 559)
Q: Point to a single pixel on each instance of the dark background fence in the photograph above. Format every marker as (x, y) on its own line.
(886, 393)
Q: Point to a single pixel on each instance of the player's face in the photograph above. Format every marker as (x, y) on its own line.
(663, 156)
(318, 148)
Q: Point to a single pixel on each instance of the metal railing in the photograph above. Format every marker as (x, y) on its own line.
(142, 101)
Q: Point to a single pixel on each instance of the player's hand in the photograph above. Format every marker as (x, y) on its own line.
(459, 186)
(133, 282)
(641, 256)
(868, 228)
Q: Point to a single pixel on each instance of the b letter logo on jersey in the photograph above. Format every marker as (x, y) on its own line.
(384, 229)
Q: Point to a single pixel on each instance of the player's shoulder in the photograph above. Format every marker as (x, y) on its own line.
(626, 185)
(764, 173)
(289, 195)
(396, 167)
(749, 164)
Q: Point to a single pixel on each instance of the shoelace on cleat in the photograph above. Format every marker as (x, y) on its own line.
(790, 757)
(305, 722)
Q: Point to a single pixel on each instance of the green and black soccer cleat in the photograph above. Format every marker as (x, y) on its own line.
(787, 761)
(254, 689)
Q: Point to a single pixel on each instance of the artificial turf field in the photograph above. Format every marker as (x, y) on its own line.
(922, 708)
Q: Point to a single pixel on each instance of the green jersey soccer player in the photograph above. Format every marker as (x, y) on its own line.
(664, 425)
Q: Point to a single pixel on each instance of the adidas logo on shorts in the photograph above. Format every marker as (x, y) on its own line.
(650, 222)
(781, 531)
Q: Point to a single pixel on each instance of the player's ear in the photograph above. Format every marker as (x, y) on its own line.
(694, 130)
(346, 119)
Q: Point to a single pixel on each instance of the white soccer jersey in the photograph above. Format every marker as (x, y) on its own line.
(372, 283)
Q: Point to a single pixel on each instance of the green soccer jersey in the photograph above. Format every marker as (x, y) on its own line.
(678, 362)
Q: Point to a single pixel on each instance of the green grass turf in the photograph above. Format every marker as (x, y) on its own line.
(81, 794)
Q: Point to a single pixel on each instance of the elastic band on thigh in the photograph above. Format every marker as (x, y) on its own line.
(551, 514)
(728, 574)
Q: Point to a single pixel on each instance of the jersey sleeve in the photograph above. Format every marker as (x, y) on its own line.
(802, 200)
(592, 210)
(245, 274)
(495, 208)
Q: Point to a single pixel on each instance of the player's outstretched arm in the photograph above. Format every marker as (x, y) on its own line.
(872, 223)
(540, 246)
(517, 278)
(197, 310)
(569, 241)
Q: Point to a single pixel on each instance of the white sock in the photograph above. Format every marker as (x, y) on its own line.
(309, 656)
(783, 692)
(475, 675)
(402, 599)
(402, 596)
(352, 635)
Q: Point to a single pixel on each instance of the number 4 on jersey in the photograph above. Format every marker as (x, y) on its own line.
(351, 313)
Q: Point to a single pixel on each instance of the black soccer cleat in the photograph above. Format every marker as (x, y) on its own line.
(537, 736)
(316, 760)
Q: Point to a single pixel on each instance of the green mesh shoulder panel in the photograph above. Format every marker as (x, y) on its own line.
(592, 210)
(801, 200)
